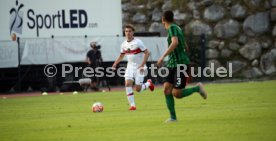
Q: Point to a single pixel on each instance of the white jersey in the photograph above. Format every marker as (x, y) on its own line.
(133, 51)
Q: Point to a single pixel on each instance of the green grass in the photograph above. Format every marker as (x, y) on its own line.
(235, 111)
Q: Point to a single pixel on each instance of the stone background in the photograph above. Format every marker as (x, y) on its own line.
(242, 32)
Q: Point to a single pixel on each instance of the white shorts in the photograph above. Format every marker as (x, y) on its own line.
(135, 75)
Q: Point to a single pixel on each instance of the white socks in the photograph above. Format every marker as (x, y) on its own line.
(145, 86)
(130, 96)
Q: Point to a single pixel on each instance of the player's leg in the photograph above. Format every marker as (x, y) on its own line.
(180, 93)
(179, 90)
(169, 101)
(129, 79)
(168, 86)
(139, 78)
(130, 94)
(140, 86)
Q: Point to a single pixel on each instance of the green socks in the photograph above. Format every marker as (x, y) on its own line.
(170, 105)
(189, 91)
(170, 99)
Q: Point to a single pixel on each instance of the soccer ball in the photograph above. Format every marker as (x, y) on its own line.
(97, 107)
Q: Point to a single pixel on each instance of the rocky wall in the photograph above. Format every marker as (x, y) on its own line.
(241, 32)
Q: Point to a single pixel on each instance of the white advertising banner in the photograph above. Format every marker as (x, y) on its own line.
(44, 18)
(8, 54)
(62, 50)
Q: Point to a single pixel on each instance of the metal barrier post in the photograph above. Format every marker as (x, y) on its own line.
(202, 55)
(19, 66)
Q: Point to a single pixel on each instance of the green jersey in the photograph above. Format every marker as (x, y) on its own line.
(178, 55)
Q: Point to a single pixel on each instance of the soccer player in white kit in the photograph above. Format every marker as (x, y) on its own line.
(137, 56)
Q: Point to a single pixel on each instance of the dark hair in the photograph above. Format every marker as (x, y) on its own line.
(130, 26)
(168, 16)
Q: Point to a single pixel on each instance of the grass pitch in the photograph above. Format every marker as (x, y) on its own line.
(236, 111)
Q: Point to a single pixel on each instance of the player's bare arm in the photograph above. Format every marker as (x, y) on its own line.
(88, 60)
(172, 46)
(118, 60)
(146, 56)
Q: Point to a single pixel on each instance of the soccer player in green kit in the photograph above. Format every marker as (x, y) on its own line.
(174, 86)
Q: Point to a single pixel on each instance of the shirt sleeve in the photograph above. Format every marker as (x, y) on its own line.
(173, 31)
(122, 49)
(87, 54)
(141, 45)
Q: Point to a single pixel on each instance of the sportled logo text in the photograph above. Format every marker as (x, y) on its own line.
(62, 19)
